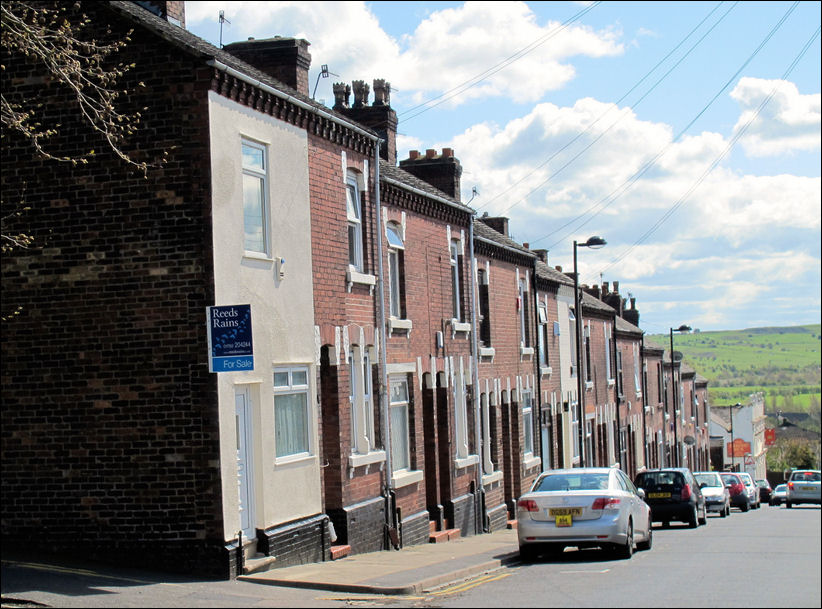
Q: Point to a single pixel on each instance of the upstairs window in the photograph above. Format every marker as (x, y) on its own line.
(456, 279)
(484, 314)
(572, 331)
(542, 337)
(355, 232)
(523, 314)
(255, 215)
(396, 253)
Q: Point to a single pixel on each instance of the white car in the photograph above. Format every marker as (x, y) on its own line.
(751, 488)
(804, 487)
(583, 507)
(717, 496)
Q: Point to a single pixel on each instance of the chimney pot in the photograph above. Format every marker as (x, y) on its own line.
(382, 92)
(414, 154)
(430, 153)
(558, 268)
(525, 245)
(616, 287)
(448, 152)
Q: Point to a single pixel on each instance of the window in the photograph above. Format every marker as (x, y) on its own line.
(355, 232)
(527, 423)
(460, 416)
(636, 369)
(620, 377)
(542, 337)
(660, 381)
(362, 410)
(456, 279)
(484, 316)
(523, 313)
(487, 464)
(586, 335)
(575, 429)
(609, 373)
(291, 416)
(400, 439)
(255, 217)
(396, 250)
(572, 327)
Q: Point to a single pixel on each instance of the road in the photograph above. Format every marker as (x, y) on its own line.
(769, 557)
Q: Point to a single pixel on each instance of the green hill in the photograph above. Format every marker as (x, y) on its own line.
(783, 363)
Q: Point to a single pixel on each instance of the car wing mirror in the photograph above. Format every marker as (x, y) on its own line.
(641, 493)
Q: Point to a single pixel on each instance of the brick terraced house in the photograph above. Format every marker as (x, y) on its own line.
(414, 367)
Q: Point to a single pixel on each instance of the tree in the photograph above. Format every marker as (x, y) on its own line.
(55, 38)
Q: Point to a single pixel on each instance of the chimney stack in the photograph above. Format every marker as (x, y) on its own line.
(542, 255)
(173, 11)
(286, 59)
(378, 116)
(499, 224)
(631, 315)
(441, 171)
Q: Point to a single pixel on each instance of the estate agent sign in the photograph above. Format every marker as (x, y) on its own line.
(229, 338)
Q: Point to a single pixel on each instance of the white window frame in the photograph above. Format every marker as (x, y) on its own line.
(575, 430)
(460, 417)
(542, 335)
(522, 289)
(608, 370)
(572, 327)
(527, 406)
(354, 212)
(291, 387)
(454, 252)
(403, 405)
(261, 177)
(395, 289)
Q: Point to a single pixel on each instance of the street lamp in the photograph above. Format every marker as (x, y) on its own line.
(593, 243)
(682, 328)
(733, 446)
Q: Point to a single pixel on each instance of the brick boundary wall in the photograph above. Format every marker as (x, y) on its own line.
(362, 526)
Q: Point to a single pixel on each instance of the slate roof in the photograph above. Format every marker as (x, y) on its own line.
(387, 170)
(627, 327)
(485, 232)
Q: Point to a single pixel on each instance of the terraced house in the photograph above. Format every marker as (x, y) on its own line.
(413, 367)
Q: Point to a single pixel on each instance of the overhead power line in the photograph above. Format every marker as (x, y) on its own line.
(464, 86)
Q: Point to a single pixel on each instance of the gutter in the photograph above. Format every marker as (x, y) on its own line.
(290, 98)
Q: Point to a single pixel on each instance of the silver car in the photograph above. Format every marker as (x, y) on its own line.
(583, 507)
(751, 488)
(717, 496)
(804, 487)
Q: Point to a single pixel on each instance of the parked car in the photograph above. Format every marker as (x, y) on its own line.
(804, 487)
(765, 491)
(583, 507)
(751, 488)
(717, 495)
(778, 495)
(673, 494)
(739, 495)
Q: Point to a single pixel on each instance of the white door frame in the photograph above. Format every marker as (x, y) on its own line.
(245, 450)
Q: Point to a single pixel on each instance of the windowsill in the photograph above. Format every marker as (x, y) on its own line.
(526, 351)
(257, 256)
(403, 325)
(589, 385)
(545, 371)
(488, 479)
(406, 477)
(292, 459)
(466, 462)
(638, 393)
(460, 326)
(487, 352)
(358, 460)
(611, 382)
(531, 461)
(354, 277)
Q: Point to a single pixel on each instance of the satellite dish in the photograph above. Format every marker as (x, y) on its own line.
(689, 440)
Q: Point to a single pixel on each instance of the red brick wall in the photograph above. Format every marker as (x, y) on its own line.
(110, 432)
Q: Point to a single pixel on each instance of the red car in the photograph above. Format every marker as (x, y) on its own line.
(736, 488)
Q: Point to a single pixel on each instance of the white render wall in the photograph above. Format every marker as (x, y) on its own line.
(282, 310)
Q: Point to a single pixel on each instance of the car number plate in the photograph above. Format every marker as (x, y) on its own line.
(659, 495)
(575, 511)
(565, 520)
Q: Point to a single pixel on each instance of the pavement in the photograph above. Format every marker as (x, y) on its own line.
(410, 570)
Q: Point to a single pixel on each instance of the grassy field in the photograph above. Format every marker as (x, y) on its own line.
(783, 363)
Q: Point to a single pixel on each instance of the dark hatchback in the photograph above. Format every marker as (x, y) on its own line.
(673, 495)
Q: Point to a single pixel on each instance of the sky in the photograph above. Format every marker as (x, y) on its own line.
(685, 134)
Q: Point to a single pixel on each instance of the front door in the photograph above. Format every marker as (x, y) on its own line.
(242, 400)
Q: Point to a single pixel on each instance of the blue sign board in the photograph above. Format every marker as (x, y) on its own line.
(229, 338)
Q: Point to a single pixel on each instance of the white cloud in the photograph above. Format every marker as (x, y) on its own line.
(789, 122)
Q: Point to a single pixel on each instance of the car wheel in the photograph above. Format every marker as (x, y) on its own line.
(528, 553)
(627, 550)
(646, 545)
(704, 519)
(723, 512)
(693, 520)
(746, 507)
(788, 504)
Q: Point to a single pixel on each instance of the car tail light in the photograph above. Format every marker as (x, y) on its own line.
(686, 492)
(790, 485)
(736, 489)
(529, 505)
(606, 503)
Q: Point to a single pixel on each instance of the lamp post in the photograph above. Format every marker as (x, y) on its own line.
(733, 447)
(677, 448)
(594, 243)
